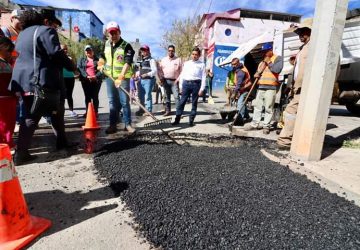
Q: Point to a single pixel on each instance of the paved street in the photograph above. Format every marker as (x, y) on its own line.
(86, 214)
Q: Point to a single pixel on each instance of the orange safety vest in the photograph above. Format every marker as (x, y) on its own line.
(13, 37)
(268, 77)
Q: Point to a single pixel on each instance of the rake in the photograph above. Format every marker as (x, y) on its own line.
(156, 121)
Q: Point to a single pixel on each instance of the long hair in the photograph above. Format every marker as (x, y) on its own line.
(30, 18)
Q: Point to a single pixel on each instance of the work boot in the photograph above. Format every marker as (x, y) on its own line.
(283, 147)
(350, 95)
(130, 129)
(191, 121)
(112, 129)
(177, 120)
(167, 113)
(266, 130)
(22, 157)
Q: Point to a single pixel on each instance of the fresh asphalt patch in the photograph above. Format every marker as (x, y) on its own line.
(187, 197)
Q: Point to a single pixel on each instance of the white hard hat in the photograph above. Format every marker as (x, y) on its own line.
(112, 26)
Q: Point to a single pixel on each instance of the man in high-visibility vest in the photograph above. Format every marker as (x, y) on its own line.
(118, 65)
(268, 74)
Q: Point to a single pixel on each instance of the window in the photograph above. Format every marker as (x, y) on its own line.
(228, 32)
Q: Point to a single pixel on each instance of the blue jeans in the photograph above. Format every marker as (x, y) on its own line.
(189, 88)
(171, 87)
(241, 102)
(146, 87)
(118, 99)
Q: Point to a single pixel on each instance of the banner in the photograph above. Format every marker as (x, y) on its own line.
(221, 52)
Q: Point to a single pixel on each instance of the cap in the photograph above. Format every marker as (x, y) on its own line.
(16, 13)
(267, 46)
(50, 15)
(112, 26)
(88, 47)
(305, 24)
(145, 47)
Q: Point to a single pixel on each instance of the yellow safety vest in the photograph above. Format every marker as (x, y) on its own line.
(115, 63)
(268, 77)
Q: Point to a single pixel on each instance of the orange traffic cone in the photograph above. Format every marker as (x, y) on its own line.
(17, 227)
(90, 128)
(91, 122)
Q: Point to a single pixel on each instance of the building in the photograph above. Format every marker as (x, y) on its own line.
(222, 33)
(77, 24)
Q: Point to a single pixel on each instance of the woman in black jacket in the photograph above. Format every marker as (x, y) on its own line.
(50, 59)
(90, 77)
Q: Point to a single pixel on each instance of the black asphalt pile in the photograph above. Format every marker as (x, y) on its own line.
(186, 197)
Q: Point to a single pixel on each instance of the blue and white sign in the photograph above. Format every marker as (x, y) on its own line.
(221, 52)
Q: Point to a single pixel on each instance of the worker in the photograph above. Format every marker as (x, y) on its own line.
(285, 137)
(193, 81)
(118, 66)
(268, 83)
(12, 31)
(148, 71)
(7, 98)
(169, 71)
(230, 87)
(242, 85)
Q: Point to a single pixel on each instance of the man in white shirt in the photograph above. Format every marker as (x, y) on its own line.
(193, 81)
(170, 68)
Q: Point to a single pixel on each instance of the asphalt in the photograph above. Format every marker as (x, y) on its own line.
(62, 186)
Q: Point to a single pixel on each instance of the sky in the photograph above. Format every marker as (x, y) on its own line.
(149, 19)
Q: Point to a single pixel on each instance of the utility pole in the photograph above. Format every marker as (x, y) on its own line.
(318, 84)
(70, 26)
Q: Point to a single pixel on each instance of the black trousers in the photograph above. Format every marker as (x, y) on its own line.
(29, 123)
(69, 87)
(91, 92)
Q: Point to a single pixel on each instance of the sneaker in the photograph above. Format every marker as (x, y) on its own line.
(251, 126)
(73, 114)
(111, 129)
(266, 131)
(130, 129)
(139, 113)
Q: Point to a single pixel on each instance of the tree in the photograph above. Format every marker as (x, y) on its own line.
(183, 35)
(76, 49)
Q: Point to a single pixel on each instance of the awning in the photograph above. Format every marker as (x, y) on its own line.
(248, 46)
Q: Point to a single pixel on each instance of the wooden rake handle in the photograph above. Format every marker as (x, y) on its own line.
(138, 103)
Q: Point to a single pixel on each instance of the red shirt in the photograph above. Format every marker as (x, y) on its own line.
(90, 68)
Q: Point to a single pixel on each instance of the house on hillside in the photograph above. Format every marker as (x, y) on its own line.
(222, 33)
(77, 24)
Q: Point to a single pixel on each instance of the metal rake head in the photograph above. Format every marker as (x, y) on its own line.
(158, 122)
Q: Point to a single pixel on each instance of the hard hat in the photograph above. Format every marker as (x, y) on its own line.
(305, 24)
(112, 26)
(267, 46)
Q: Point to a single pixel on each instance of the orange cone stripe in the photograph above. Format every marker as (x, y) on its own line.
(7, 170)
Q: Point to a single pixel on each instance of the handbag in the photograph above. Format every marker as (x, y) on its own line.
(46, 101)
